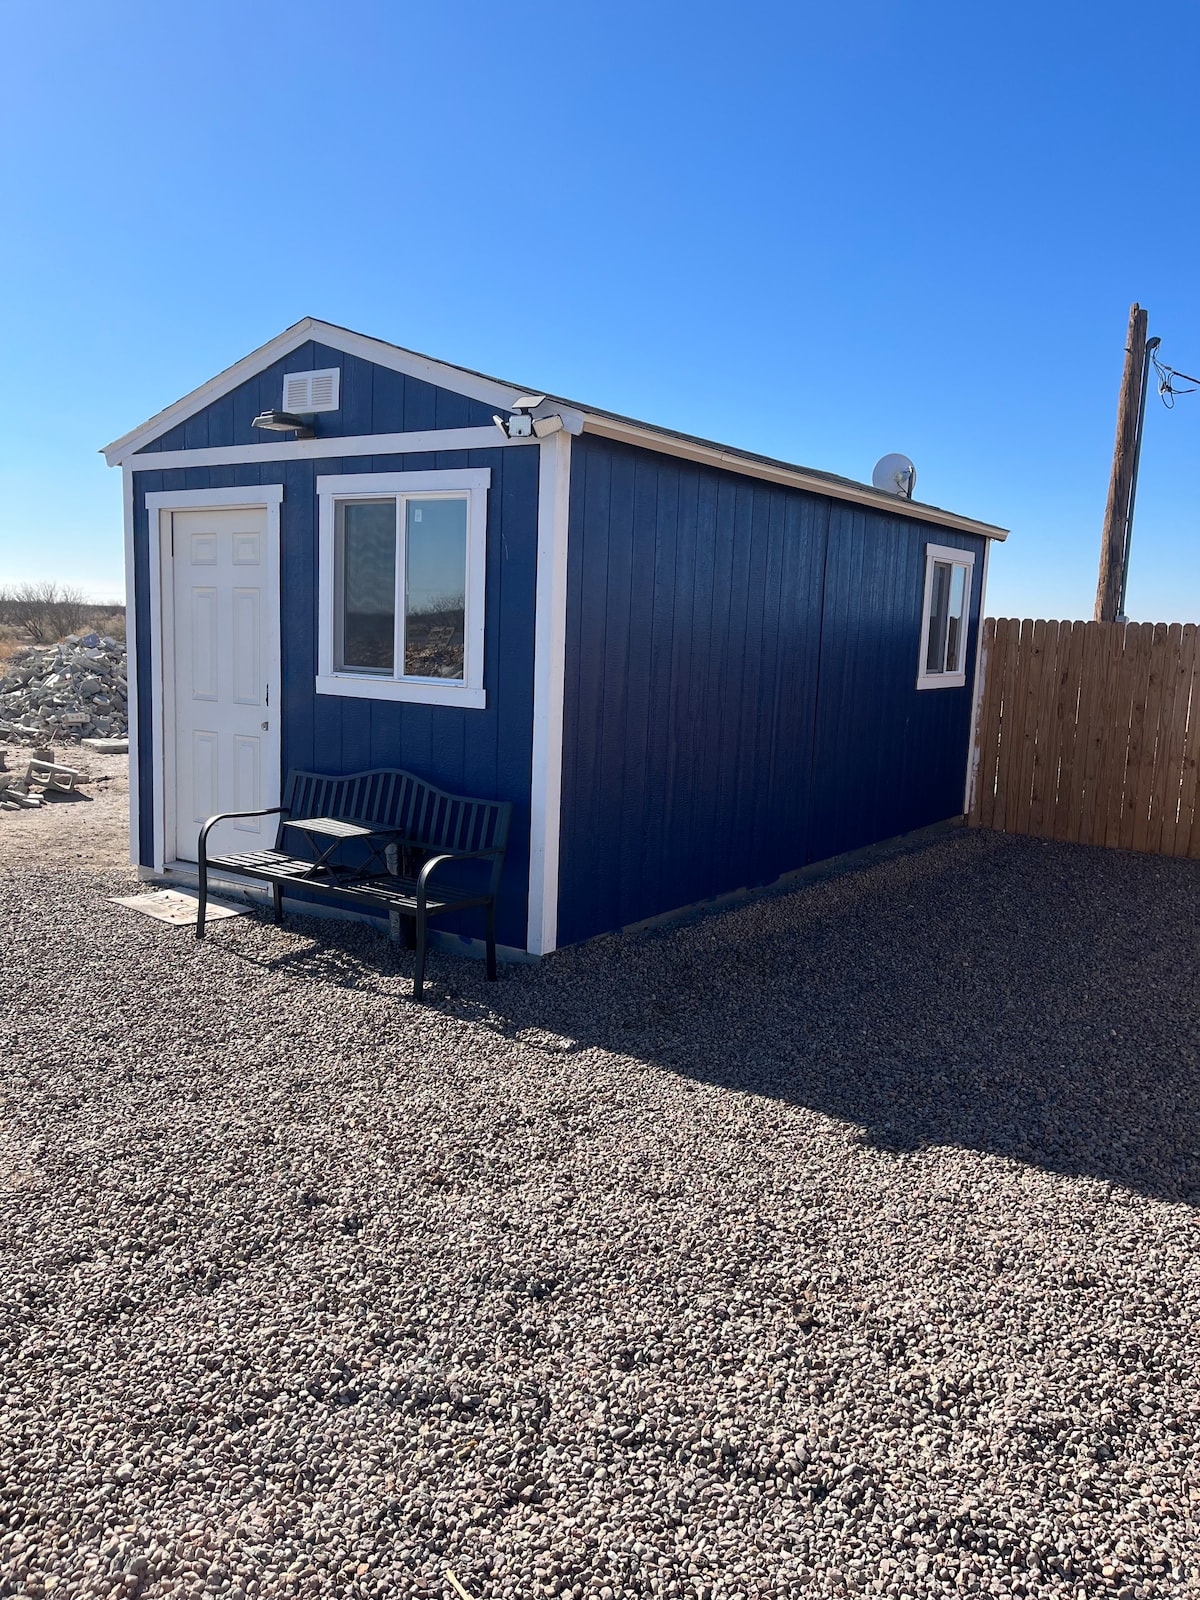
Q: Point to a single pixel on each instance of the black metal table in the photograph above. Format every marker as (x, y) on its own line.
(328, 834)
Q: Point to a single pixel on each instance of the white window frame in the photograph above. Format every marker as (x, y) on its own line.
(958, 558)
(473, 482)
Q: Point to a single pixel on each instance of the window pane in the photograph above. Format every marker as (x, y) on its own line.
(369, 585)
(956, 627)
(939, 617)
(435, 589)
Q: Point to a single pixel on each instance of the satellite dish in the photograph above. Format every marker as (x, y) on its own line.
(895, 474)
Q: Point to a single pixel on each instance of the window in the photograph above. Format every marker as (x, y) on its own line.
(947, 611)
(402, 586)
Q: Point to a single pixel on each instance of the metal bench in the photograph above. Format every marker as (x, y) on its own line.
(375, 841)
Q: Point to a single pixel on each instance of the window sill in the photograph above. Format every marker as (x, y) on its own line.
(942, 680)
(419, 694)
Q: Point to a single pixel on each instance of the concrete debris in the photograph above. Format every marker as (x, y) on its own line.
(50, 775)
(65, 692)
(27, 791)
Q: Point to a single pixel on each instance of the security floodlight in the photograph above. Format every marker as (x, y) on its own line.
(522, 424)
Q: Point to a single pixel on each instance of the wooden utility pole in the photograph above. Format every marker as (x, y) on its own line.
(1114, 541)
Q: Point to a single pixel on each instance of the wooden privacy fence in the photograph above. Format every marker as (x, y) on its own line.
(1090, 732)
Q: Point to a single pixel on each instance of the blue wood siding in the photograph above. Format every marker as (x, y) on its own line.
(887, 757)
(486, 752)
(693, 636)
(740, 685)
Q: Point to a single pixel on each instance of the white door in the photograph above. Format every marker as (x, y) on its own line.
(223, 728)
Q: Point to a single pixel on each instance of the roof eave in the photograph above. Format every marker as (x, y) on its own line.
(715, 455)
(494, 391)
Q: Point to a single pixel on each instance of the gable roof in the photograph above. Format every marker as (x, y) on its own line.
(496, 392)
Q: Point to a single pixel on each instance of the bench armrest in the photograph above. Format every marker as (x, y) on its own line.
(225, 816)
(452, 855)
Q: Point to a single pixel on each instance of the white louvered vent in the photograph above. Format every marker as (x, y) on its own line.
(306, 392)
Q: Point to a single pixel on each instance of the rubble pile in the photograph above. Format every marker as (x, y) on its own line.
(69, 691)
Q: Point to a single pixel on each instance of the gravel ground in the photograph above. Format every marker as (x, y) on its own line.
(841, 1244)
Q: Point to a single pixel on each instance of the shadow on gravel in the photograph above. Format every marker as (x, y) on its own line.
(1031, 1000)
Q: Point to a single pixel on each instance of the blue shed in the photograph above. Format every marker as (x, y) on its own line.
(690, 668)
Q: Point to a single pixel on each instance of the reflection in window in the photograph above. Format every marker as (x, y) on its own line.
(947, 612)
(368, 564)
(435, 588)
(403, 558)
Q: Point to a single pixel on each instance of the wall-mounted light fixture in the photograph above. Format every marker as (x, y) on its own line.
(284, 422)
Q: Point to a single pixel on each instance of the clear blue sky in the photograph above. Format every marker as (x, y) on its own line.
(823, 232)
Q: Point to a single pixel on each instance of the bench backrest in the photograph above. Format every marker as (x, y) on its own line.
(429, 819)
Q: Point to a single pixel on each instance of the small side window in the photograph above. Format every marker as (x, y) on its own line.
(945, 618)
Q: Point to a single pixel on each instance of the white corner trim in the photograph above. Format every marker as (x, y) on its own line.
(549, 667)
(359, 444)
(958, 558)
(131, 669)
(268, 496)
(491, 391)
(977, 696)
(475, 483)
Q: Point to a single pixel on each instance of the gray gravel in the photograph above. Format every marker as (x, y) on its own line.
(842, 1244)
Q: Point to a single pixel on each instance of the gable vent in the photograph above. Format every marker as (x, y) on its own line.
(305, 392)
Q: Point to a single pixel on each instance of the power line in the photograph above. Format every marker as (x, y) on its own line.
(1166, 388)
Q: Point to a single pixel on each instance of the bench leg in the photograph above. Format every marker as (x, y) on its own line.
(202, 902)
(277, 900)
(491, 941)
(419, 974)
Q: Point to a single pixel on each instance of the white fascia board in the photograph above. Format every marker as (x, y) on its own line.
(793, 477)
(359, 444)
(490, 391)
(275, 349)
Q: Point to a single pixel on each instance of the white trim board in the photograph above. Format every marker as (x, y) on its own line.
(131, 670)
(977, 691)
(268, 497)
(549, 667)
(358, 444)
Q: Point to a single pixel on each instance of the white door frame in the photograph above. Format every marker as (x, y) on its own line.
(266, 497)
